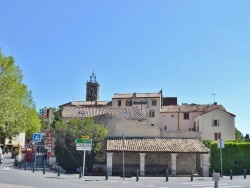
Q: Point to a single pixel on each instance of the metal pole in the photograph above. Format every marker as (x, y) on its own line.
(35, 157)
(83, 165)
(49, 153)
(123, 168)
(49, 119)
(221, 159)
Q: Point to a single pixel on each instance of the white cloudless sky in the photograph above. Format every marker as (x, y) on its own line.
(189, 49)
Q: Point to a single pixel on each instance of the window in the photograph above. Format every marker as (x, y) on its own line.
(186, 115)
(128, 102)
(119, 102)
(217, 136)
(152, 113)
(154, 102)
(172, 115)
(165, 127)
(215, 123)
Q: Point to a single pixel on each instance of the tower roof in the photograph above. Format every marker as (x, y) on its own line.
(93, 78)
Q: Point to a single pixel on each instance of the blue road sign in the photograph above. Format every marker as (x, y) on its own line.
(37, 137)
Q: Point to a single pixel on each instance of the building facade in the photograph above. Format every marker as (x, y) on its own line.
(149, 120)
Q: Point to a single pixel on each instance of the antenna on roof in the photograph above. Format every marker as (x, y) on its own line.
(214, 96)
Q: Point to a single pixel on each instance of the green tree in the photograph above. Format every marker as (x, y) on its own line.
(207, 142)
(238, 135)
(17, 109)
(65, 146)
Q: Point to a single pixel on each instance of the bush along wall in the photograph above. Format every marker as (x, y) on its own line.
(235, 156)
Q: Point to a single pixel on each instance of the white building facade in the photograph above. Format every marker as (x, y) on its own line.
(181, 118)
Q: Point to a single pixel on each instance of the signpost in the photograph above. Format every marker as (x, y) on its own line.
(37, 137)
(46, 113)
(220, 144)
(84, 144)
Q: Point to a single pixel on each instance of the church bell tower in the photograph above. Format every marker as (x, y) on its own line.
(92, 89)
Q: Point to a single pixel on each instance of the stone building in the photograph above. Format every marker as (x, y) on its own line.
(147, 148)
(158, 133)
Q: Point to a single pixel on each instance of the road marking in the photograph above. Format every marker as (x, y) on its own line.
(113, 181)
(13, 186)
(220, 184)
(138, 184)
(227, 186)
(208, 182)
(125, 182)
(211, 185)
(6, 168)
(150, 185)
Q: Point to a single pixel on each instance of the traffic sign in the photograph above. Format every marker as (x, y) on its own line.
(42, 112)
(37, 137)
(82, 145)
(86, 148)
(84, 137)
(220, 143)
(88, 141)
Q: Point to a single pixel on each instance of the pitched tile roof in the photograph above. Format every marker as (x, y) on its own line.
(87, 103)
(221, 110)
(191, 108)
(136, 95)
(131, 113)
(172, 145)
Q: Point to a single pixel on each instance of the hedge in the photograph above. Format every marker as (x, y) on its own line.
(235, 156)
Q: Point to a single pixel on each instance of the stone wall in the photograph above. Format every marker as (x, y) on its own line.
(155, 163)
(185, 163)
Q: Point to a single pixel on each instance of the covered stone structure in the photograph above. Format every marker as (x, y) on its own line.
(152, 156)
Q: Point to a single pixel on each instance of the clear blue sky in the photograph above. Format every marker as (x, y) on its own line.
(189, 49)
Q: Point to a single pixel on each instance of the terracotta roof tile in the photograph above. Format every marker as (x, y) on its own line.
(132, 113)
(136, 95)
(191, 108)
(87, 103)
(173, 145)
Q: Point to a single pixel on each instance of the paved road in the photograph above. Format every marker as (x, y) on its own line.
(11, 177)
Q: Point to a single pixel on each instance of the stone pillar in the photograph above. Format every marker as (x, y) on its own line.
(205, 165)
(173, 164)
(109, 162)
(142, 164)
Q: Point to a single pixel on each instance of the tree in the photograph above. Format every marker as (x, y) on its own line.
(17, 109)
(65, 146)
(207, 142)
(238, 135)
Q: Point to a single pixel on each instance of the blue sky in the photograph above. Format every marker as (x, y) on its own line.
(189, 49)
